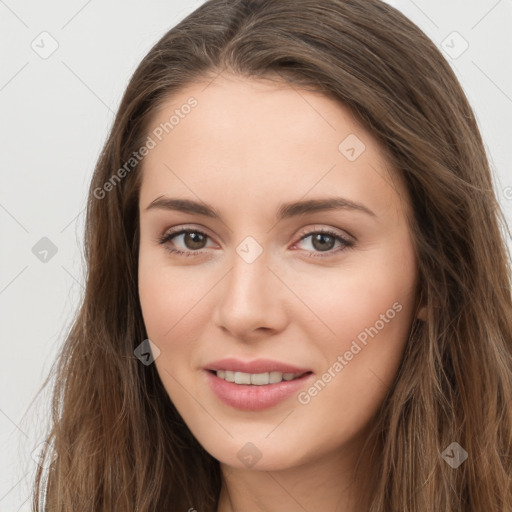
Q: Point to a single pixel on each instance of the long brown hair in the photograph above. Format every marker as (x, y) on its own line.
(116, 441)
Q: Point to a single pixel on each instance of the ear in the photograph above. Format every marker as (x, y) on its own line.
(422, 313)
(421, 308)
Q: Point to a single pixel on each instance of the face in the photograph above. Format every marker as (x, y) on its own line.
(287, 264)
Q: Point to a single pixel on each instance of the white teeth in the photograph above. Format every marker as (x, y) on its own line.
(256, 379)
(275, 377)
(242, 378)
(260, 379)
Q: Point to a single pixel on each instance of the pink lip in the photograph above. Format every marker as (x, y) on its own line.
(251, 397)
(256, 366)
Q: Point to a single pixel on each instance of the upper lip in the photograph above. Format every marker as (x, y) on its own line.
(255, 366)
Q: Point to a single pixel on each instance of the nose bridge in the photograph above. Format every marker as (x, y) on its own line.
(249, 276)
(250, 296)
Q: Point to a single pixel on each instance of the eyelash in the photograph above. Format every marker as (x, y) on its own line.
(166, 237)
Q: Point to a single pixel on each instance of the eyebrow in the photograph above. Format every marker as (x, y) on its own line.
(285, 211)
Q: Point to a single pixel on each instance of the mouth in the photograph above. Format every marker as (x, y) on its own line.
(256, 391)
(257, 379)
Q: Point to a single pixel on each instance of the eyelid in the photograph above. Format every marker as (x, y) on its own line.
(314, 228)
(180, 230)
(321, 228)
(346, 239)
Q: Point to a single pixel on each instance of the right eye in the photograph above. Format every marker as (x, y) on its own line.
(194, 238)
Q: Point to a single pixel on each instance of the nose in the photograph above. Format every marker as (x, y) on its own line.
(251, 300)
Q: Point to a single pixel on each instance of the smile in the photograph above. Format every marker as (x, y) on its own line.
(255, 391)
(256, 379)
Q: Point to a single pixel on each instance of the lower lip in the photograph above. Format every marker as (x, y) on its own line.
(251, 397)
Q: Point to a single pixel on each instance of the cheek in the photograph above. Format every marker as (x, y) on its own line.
(369, 306)
(371, 317)
(362, 300)
(168, 295)
(371, 310)
(169, 301)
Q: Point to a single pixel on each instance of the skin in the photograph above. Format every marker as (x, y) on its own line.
(249, 146)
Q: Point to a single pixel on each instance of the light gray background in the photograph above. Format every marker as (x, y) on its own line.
(56, 112)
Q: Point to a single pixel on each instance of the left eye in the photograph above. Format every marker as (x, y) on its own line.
(194, 241)
(324, 241)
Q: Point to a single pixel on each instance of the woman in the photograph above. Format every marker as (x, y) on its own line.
(298, 294)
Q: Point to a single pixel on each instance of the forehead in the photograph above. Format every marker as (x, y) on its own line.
(254, 141)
